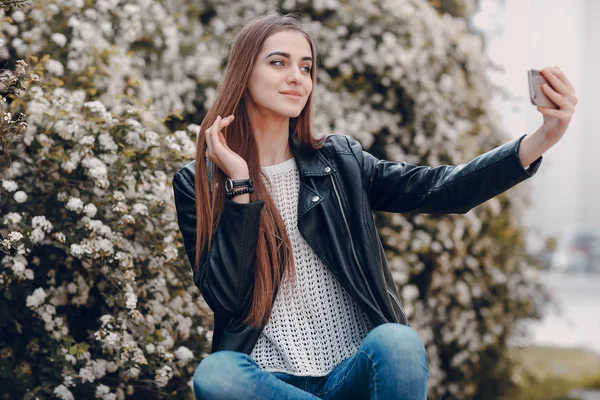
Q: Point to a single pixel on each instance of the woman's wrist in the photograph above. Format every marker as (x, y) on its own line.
(241, 174)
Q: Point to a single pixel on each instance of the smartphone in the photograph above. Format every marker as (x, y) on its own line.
(537, 96)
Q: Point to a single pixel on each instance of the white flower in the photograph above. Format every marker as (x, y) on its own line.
(95, 106)
(87, 140)
(68, 380)
(138, 357)
(43, 139)
(128, 219)
(163, 375)
(12, 218)
(111, 339)
(134, 372)
(10, 185)
(96, 169)
(20, 197)
(150, 348)
(131, 302)
(75, 204)
(63, 393)
(106, 319)
(170, 253)
(118, 195)
(55, 67)
(70, 358)
(86, 375)
(37, 235)
(107, 143)
(104, 246)
(78, 250)
(18, 267)
(98, 368)
(462, 292)
(139, 208)
(112, 366)
(15, 236)
(29, 274)
(184, 354)
(18, 16)
(90, 210)
(102, 390)
(59, 39)
(410, 293)
(36, 299)
(61, 196)
(40, 221)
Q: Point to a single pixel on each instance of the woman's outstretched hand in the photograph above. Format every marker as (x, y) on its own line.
(556, 122)
(562, 94)
(217, 151)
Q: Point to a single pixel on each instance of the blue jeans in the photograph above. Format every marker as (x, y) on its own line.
(391, 363)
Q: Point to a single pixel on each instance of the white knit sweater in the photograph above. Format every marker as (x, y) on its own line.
(316, 325)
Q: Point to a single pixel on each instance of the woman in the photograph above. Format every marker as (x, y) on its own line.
(281, 237)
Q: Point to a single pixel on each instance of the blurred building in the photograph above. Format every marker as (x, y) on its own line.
(525, 34)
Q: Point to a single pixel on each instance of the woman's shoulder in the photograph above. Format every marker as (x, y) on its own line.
(336, 143)
(187, 172)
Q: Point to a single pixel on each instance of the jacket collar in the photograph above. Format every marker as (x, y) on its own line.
(310, 162)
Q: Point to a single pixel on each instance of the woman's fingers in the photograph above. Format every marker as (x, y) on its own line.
(226, 123)
(561, 75)
(210, 144)
(556, 97)
(215, 140)
(557, 84)
(561, 86)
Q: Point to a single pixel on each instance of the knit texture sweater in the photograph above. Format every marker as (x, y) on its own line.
(316, 324)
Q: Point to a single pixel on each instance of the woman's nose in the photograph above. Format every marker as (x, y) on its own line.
(295, 75)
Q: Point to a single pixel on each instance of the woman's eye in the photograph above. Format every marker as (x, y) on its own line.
(308, 69)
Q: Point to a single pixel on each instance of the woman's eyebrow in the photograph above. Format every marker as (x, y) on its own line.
(281, 53)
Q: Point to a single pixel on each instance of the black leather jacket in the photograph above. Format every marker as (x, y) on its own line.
(340, 186)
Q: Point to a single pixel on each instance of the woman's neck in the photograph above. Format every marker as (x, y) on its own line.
(272, 139)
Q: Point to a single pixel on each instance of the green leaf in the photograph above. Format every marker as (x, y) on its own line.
(68, 339)
(29, 396)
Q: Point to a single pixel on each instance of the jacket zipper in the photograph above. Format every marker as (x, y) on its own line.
(399, 306)
(350, 236)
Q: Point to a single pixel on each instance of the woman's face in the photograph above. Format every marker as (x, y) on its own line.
(283, 65)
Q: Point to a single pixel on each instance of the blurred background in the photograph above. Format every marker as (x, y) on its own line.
(564, 215)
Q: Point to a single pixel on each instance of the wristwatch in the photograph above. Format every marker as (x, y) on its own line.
(231, 184)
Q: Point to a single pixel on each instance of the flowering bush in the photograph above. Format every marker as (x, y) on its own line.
(98, 299)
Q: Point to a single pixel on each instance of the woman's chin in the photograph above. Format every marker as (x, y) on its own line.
(294, 113)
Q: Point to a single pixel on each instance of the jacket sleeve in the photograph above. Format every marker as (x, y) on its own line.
(226, 274)
(402, 187)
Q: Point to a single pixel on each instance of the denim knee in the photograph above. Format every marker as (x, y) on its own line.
(396, 341)
(399, 361)
(212, 377)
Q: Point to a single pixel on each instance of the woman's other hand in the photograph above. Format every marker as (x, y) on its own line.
(217, 151)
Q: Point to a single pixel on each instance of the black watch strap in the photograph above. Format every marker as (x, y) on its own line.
(231, 195)
(231, 184)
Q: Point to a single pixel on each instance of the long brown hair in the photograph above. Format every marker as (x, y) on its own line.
(274, 251)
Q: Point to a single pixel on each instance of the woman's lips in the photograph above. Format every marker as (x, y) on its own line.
(292, 96)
